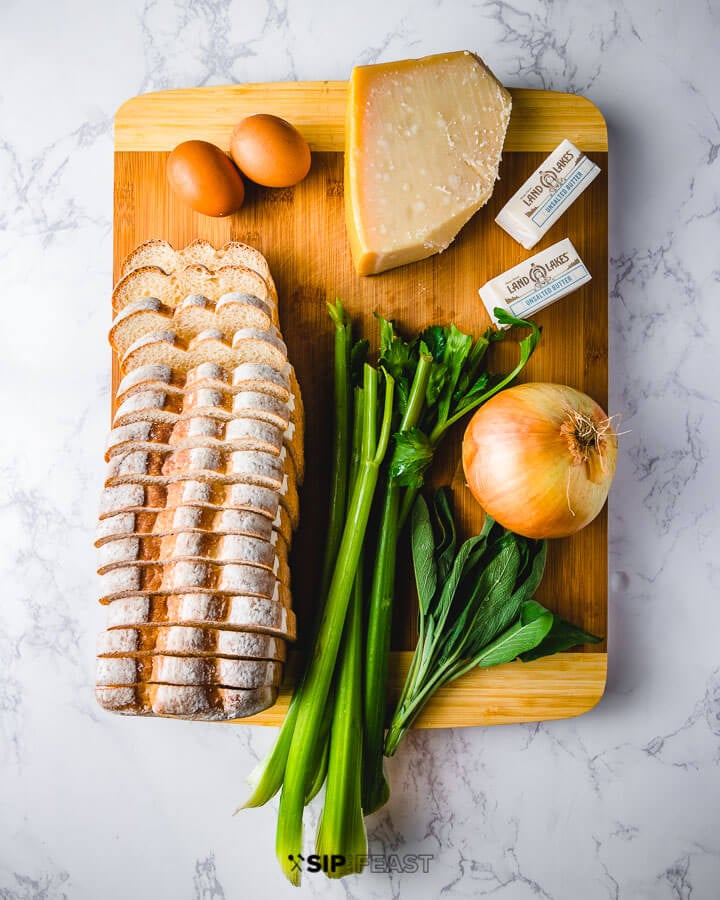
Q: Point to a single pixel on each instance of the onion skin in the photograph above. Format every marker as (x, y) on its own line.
(522, 464)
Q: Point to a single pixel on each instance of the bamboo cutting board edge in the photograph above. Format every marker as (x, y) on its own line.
(542, 118)
(556, 687)
(161, 120)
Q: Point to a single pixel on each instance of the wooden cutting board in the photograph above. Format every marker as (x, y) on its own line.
(301, 231)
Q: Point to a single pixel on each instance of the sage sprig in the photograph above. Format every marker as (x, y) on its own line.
(475, 606)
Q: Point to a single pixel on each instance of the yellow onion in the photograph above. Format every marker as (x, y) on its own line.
(540, 458)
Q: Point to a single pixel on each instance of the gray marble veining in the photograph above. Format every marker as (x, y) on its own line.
(622, 803)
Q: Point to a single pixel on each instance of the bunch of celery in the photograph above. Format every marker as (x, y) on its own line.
(321, 736)
(334, 729)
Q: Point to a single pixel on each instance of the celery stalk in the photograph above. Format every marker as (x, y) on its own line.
(318, 678)
(267, 777)
(375, 787)
(342, 827)
(341, 441)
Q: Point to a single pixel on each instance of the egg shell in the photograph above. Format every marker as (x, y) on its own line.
(270, 151)
(205, 178)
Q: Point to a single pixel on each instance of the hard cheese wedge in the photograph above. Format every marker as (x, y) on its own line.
(422, 150)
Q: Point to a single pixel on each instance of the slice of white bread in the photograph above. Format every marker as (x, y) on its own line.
(212, 489)
(193, 315)
(192, 576)
(186, 640)
(197, 547)
(198, 253)
(166, 348)
(204, 416)
(193, 519)
(189, 518)
(113, 671)
(200, 431)
(201, 464)
(267, 549)
(161, 406)
(253, 614)
(216, 497)
(247, 376)
(186, 701)
(160, 497)
(239, 548)
(171, 289)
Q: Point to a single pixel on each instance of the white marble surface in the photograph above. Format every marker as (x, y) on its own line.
(621, 803)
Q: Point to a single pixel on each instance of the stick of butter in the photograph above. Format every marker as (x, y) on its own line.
(548, 192)
(537, 282)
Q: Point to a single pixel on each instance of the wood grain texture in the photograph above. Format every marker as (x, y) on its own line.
(553, 688)
(159, 121)
(301, 231)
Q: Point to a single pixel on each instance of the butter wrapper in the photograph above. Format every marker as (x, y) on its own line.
(536, 283)
(547, 194)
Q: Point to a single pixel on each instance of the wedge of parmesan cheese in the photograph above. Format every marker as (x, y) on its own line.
(422, 151)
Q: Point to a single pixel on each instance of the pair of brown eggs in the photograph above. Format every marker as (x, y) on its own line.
(266, 149)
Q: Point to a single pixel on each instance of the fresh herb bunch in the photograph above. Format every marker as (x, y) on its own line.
(475, 607)
(440, 377)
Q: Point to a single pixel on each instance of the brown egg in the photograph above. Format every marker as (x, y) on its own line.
(270, 151)
(205, 178)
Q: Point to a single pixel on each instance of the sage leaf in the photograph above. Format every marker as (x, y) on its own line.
(440, 612)
(446, 544)
(519, 638)
(562, 636)
(423, 546)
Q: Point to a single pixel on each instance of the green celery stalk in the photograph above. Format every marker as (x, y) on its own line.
(341, 441)
(267, 777)
(342, 830)
(342, 827)
(322, 662)
(377, 649)
(321, 768)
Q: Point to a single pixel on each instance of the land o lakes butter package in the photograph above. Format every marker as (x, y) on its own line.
(547, 194)
(537, 282)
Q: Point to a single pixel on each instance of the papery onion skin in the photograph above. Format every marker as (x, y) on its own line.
(520, 467)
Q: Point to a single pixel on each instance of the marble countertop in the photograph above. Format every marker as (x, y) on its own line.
(623, 802)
